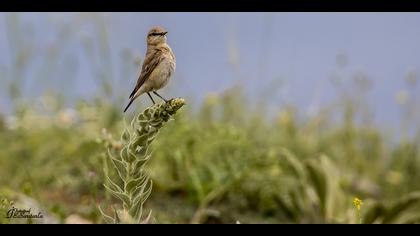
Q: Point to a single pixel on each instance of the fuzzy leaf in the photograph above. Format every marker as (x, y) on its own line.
(131, 185)
(123, 197)
(113, 185)
(119, 166)
(140, 163)
(141, 198)
(125, 137)
(108, 219)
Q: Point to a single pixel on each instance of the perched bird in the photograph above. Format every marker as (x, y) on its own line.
(158, 66)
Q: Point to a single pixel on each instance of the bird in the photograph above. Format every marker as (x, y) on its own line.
(158, 66)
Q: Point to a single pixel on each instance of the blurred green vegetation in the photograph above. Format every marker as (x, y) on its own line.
(227, 161)
(222, 164)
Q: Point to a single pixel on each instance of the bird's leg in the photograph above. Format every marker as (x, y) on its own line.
(160, 96)
(151, 98)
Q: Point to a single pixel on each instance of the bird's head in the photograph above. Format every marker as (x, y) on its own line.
(156, 35)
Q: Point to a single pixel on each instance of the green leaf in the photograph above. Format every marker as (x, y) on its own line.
(113, 186)
(122, 196)
(296, 202)
(142, 150)
(284, 207)
(145, 192)
(108, 219)
(318, 178)
(132, 184)
(140, 140)
(147, 114)
(398, 208)
(294, 164)
(140, 187)
(119, 166)
(117, 219)
(138, 165)
(124, 154)
(125, 137)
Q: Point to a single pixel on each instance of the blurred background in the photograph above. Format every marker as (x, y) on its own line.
(289, 116)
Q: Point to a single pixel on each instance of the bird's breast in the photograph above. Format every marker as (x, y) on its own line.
(161, 75)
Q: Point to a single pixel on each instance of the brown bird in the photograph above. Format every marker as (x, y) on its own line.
(158, 66)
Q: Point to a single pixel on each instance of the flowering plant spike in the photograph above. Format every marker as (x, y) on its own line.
(131, 184)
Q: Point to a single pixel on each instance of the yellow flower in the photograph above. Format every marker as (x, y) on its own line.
(357, 203)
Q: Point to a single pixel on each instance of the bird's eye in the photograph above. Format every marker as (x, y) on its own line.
(156, 34)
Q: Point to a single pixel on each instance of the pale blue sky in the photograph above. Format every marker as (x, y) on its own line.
(299, 49)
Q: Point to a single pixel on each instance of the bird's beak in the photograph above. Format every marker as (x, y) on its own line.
(164, 33)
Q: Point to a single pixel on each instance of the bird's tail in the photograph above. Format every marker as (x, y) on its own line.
(131, 101)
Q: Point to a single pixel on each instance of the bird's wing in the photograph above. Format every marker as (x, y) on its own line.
(151, 61)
